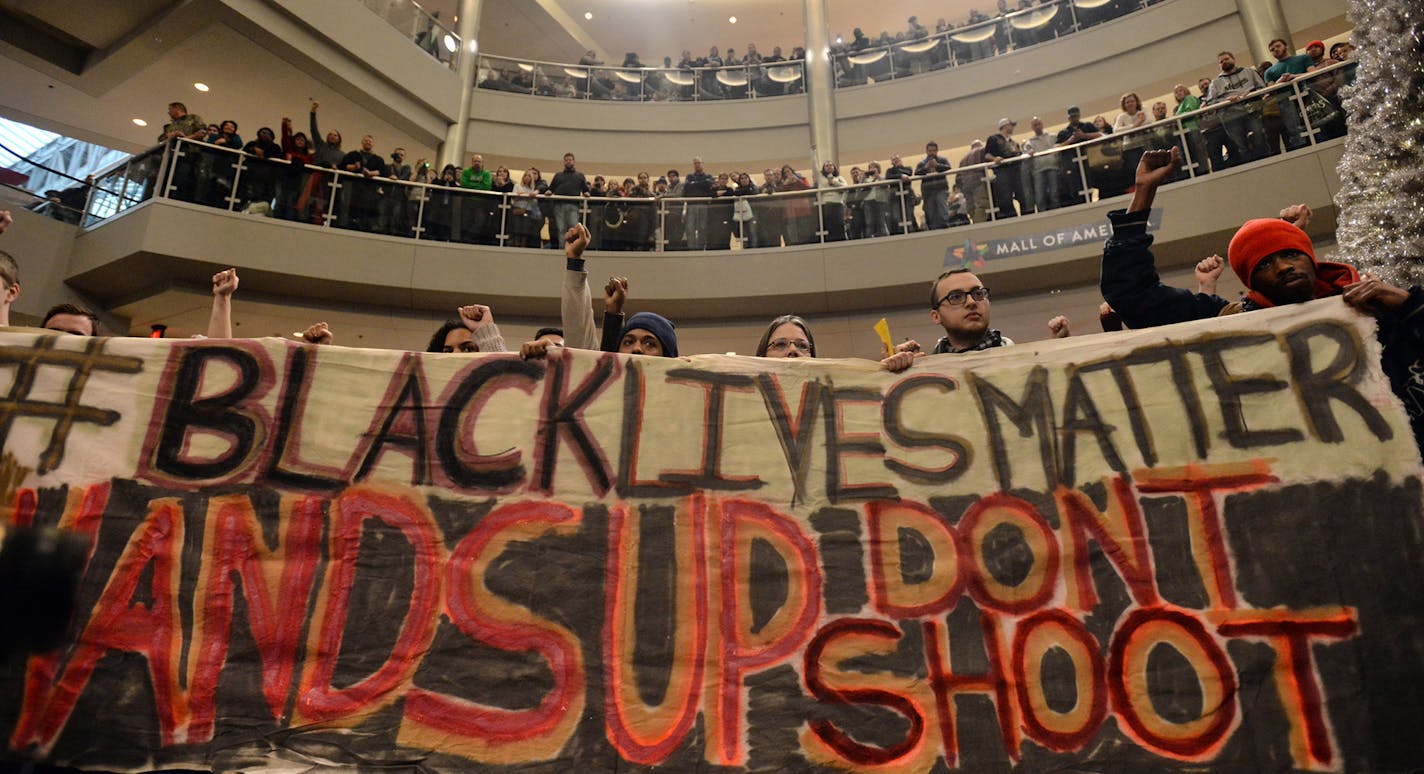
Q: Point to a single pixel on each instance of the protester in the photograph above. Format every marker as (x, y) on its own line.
(789, 336)
(1276, 262)
(474, 331)
(959, 303)
(72, 319)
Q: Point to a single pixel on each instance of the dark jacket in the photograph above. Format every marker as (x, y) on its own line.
(1131, 286)
(568, 183)
(324, 154)
(699, 185)
(934, 168)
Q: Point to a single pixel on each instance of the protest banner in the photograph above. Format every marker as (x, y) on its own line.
(1193, 545)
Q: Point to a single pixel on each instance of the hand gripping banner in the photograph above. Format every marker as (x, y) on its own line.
(1196, 545)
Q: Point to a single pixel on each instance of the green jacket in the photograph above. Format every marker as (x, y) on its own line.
(1188, 105)
(480, 181)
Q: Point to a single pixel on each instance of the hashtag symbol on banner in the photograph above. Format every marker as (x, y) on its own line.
(28, 361)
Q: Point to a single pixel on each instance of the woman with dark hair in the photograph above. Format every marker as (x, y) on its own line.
(259, 182)
(292, 198)
(796, 209)
(499, 223)
(789, 336)
(743, 214)
(473, 332)
(216, 169)
(226, 136)
(440, 204)
(326, 152)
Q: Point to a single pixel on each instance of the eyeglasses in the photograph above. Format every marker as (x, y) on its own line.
(957, 297)
(783, 345)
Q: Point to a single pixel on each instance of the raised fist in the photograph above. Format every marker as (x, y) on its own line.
(1058, 327)
(1297, 215)
(225, 282)
(476, 316)
(318, 333)
(616, 294)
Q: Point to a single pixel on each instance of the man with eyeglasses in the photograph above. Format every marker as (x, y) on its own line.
(959, 303)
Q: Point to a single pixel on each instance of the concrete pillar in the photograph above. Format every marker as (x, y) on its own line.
(1262, 21)
(452, 151)
(820, 85)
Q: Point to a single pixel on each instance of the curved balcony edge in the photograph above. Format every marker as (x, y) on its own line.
(160, 243)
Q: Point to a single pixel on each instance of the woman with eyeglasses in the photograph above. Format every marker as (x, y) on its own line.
(789, 336)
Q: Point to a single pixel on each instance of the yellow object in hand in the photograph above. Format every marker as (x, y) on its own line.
(882, 329)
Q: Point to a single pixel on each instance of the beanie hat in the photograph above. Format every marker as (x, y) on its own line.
(656, 324)
(1257, 239)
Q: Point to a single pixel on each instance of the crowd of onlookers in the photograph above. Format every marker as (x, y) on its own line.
(907, 52)
(284, 174)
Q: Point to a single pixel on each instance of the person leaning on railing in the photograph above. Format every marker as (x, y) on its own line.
(1239, 123)
(185, 126)
(259, 179)
(875, 203)
(796, 209)
(440, 204)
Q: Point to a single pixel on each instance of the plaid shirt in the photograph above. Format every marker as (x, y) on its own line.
(993, 338)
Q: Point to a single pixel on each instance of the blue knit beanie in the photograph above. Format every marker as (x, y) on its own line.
(657, 325)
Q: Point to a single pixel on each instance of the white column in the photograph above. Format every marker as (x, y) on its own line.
(1262, 21)
(820, 85)
(452, 151)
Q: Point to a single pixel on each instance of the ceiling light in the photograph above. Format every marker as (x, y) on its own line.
(201, 86)
(839, 40)
(140, 122)
(732, 19)
(450, 44)
(588, 15)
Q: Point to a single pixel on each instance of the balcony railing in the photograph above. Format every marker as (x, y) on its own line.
(1282, 119)
(855, 63)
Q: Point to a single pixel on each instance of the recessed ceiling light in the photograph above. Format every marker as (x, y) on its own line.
(732, 19)
(201, 86)
(140, 122)
(588, 15)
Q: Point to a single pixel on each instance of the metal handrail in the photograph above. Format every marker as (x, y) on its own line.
(172, 154)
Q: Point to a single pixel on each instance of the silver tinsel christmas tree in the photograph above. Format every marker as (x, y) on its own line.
(1381, 198)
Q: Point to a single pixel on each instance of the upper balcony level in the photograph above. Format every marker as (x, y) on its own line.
(889, 99)
(757, 75)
